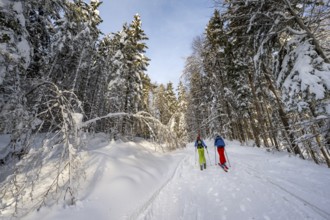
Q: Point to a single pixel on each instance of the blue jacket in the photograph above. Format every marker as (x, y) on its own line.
(219, 142)
(202, 143)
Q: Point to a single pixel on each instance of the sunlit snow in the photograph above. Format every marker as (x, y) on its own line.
(134, 181)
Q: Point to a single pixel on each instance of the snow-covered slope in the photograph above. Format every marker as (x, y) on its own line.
(132, 181)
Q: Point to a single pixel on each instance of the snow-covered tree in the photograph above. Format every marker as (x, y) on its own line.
(304, 80)
(171, 102)
(15, 58)
(160, 104)
(180, 119)
(214, 58)
(260, 31)
(76, 35)
(55, 72)
(125, 88)
(60, 146)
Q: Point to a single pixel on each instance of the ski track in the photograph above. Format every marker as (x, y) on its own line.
(266, 179)
(145, 208)
(193, 194)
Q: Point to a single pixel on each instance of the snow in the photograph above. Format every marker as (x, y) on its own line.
(3, 3)
(133, 180)
(77, 117)
(307, 79)
(4, 140)
(18, 8)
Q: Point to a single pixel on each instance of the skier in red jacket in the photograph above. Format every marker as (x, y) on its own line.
(219, 143)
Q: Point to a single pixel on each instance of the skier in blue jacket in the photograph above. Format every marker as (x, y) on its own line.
(219, 143)
(200, 145)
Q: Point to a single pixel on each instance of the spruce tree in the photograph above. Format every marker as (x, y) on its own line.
(129, 63)
(15, 58)
(180, 119)
(216, 76)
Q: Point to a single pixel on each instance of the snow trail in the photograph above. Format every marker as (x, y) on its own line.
(131, 181)
(252, 189)
(147, 204)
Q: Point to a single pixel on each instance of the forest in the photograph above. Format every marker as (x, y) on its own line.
(259, 73)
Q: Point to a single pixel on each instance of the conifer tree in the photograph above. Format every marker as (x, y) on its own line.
(15, 58)
(76, 36)
(180, 119)
(267, 34)
(171, 101)
(129, 64)
(161, 104)
(215, 58)
(195, 109)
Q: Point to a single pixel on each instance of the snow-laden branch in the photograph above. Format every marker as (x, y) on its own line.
(160, 131)
(110, 115)
(300, 22)
(296, 32)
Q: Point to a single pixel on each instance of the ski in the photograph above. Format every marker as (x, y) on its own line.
(223, 167)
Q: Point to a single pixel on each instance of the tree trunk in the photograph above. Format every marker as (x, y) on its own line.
(241, 133)
(258, 110)
(283, 116)
(272, 130)
(255, 129)
(321, 146)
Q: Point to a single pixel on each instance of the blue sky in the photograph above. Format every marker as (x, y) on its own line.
(170, 25)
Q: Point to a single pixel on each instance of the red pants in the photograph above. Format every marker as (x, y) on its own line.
(221, 152)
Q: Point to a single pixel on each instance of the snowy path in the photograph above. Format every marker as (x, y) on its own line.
(130, 181)
(253, 189)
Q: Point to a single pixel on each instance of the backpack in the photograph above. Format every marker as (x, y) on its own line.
(219, 142)
(199, 144)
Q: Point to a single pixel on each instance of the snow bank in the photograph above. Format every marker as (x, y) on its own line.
(120, 177)
(133, 181)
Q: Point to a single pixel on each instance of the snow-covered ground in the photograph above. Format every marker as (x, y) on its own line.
(133, 181)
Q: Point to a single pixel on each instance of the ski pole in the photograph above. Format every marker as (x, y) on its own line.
(209, 156)
(215, 156)
(227, 158)
(195, 156)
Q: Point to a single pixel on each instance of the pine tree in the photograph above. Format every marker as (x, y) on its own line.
(258, 30)
(139, 62)
(195, 108)
(171, 102)
(160, 104)
(216, 79)
(180, 120)
(198, 92)
(252, 34)
(303, 80)
(15, 57)
(129, 64)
